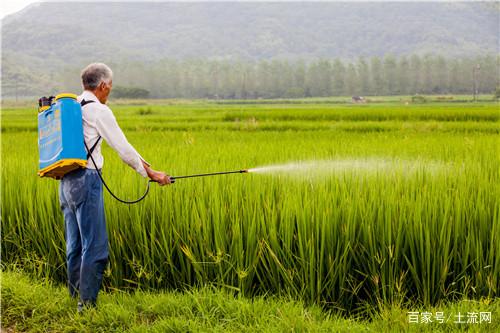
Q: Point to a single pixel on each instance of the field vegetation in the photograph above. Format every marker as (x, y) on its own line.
(30, 305)
(392, 203)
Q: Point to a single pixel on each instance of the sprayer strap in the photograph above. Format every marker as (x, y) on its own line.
(83, 103)
(93, 147)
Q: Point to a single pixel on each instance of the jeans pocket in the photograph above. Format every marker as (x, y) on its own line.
(74, 188)
(95, 184)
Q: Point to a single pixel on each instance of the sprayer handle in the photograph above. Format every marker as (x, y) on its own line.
(172, 180)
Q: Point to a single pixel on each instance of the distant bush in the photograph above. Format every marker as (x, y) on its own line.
(129, 92)
(145, 112)
(418, 99)
(497, 93)
(295, 92)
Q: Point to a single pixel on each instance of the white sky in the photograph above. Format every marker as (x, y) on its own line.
(11, 6)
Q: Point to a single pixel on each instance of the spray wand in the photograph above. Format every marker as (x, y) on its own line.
(174, 178)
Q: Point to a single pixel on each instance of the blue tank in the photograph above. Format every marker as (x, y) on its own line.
(60, 137)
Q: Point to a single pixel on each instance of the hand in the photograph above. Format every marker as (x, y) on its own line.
(160, 177)
(157, 176)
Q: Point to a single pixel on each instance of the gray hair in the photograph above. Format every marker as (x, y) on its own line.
(94, 74)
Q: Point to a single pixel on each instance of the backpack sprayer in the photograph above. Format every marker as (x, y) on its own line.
(62, 147)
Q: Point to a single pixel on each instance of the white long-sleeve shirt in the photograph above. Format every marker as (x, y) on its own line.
(99, 120)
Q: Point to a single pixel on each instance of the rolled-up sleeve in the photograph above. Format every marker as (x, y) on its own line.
(108, 128)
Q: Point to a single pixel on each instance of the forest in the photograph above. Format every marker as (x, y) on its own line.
(281, 78)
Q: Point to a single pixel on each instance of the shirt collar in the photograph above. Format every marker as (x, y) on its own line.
(88, 96)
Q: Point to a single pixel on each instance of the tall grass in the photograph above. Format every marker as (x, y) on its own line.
(340, 240)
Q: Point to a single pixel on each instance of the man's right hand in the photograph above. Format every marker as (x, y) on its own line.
(157, 176)
(160, 177)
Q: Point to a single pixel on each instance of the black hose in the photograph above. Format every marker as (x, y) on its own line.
(172, 179)
(107, 188)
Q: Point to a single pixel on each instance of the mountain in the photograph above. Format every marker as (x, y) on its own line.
(47, 38)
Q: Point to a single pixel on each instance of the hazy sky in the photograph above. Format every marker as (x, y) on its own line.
(11, 6)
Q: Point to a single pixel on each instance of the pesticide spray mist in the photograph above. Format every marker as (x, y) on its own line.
(353, 167)
(370, 166)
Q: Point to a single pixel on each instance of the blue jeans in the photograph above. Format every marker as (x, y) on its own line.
(82, 203)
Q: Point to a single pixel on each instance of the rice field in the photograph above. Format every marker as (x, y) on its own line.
(348, 207)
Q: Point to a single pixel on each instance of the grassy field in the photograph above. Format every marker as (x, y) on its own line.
(40, 306)
(386, 203)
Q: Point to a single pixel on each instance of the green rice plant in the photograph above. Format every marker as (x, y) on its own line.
(411, 216)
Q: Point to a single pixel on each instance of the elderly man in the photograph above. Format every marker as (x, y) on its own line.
(80, 192)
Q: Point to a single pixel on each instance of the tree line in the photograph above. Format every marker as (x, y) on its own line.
(281, 78)
(277, 78)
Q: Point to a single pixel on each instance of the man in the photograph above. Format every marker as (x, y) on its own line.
(80, 191)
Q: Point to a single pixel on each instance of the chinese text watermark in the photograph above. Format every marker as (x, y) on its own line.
(455, 318)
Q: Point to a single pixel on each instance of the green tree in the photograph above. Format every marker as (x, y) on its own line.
(129, 92)
(363, 71)
(415, 75)
(428, 77)
(351, 80)
(489, 76)
(376, 76)
(338, 74)
(390, 75)
(403, 76)
(299, 80)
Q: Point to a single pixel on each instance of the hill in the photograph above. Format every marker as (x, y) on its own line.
(40, 41)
